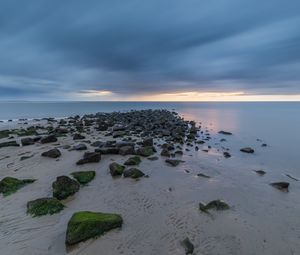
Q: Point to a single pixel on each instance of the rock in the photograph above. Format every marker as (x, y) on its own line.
(43, 206)
(116, 169)
(178, 152)
(108, 150)
(264, 145)
(79, 147)
(9, 144)
(145, 151)
(133, 161)
(215, 204)
(126, 150)
(203, 175)
(85, 225)
(84, 177)
(225, 132)
(118, 134)
(89, 157)
(226, 154)
(53, 153)
(133, 173)
(64, 187)
(165, 153)
(247, 150)
(283, 186)
(27, 141)
(9, 185)
(48, 139)
(173, 162)
(148, 142)
(188, 246)
(98, 144)
(78, 136)
(260, 172)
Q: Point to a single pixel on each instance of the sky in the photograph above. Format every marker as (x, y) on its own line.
(158, 50)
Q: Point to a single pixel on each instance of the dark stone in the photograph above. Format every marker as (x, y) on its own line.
(225, 132)
(108, 150)
(48, 139)
(84, 177)
(215, 204)
(126, 150)
(226, 154)
(174, 162)
(64, 187)
(79, 147)
(145, 151)
(165, 153)
(43, 206)
(133, 161)
(27, 141)
(9, 144)
(247, 150)
(133, 173)
(53, 153)
(188, 246)
(9, 185)
(148, 142)
(89, 157)
(116, 169)
(78, 136)
(260, 172)
(283, 186)
(203, 175)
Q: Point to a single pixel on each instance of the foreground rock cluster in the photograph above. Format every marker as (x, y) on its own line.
(136, 135)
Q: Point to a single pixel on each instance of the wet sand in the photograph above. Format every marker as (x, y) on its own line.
(159, 211)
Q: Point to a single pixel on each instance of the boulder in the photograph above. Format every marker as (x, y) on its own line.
(108, 150)
(9, 185)
(148, 142)
(283, 186)
(53, 153)
(85, 225)
(116, 169)
(64, 187)
(78, 136)
(247, 150)
(9, 144)
(43, 206)
(84, 177)
(165, 153)
(188, 246)
(126, 150)
(89, 157)
(226, 154)
(215, 204)
(27, 141)
(133, 173)
(133, 161)
(145, 151)
(48, 139)
(79, 147)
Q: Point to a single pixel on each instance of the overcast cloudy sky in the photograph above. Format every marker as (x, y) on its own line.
(117, 49)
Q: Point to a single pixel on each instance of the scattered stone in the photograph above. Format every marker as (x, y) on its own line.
(247, 150)
(84, 177)
(9, 185)
(89, 157)
(43, 206)
(27, 141)
(48, 139)
(153, 158)
(260, 172)
(79, 147)
(86, 225)
(215, 204)
(226, 154)
(9, 144)
(173, 162)
(165, 153)
(145, 151)
(225, 132)
(78, 136)
(264, 145)
(133, 161)
(188, 246)
(108, 150)
(64, 187)
(53, 153)
(126, 150)
(203, 175)
(25, 157)
(116, 169)
(283, 186)
(148, 142)
(133, 173)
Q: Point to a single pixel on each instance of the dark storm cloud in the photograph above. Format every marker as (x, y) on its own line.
(56, 47)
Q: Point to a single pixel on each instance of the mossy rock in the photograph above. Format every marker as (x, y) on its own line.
(218, 205)
(174, 162)
(10, 185)
(5, 133)
(146, 151)
(9, 144)
(43, 206)
(85, 225)
(133, 173)
(26, 132)
(116, 169)
(64, 187)
(133, 161)
(84, 177)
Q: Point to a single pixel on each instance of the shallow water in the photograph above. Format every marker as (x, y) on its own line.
(262, 220)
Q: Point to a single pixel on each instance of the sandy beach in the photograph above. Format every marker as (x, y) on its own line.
(159, 211)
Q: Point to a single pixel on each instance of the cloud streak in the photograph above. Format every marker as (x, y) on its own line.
(137, 47)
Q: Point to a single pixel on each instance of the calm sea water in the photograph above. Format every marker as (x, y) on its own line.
(276, 124)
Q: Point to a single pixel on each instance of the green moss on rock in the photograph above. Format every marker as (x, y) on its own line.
(84, 177)
(116, 169)
(9, 185)
(133, 161)
(43, 206)
(64, 187)
(145, 151)
(85, 225)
